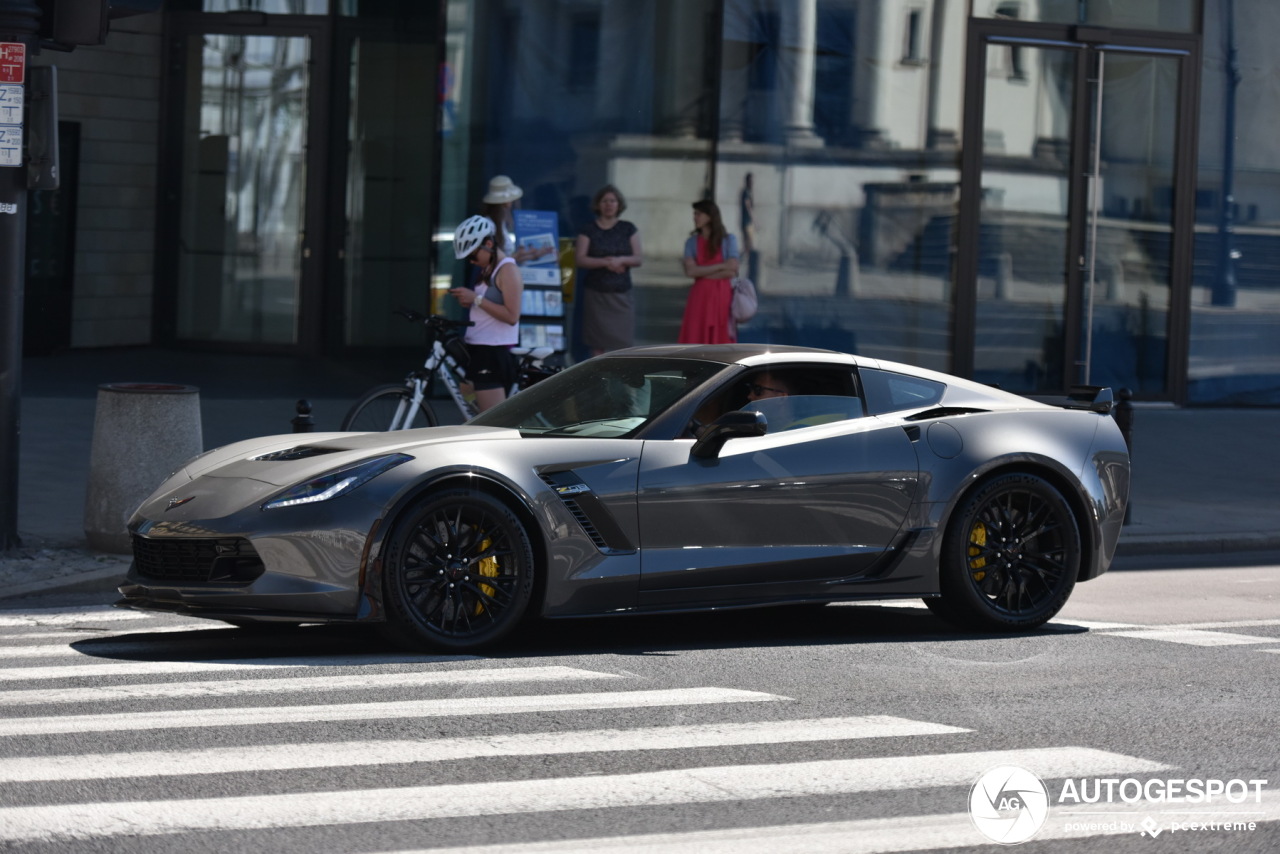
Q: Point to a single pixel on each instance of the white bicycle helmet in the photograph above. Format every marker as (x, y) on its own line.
(470, 234)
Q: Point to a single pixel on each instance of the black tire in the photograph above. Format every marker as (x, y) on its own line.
(1010, 557)
(373, 412)
(458, 573)
(943, 608)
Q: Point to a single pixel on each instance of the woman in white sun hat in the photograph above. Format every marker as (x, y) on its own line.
(498, 204)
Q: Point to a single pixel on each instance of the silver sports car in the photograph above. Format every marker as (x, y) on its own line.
(653, 479)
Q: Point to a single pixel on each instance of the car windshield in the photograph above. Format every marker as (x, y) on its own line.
(605, 397)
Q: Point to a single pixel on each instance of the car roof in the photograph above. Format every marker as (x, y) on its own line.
(740, 354)
(960, 391)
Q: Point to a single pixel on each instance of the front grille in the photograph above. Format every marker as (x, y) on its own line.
(228, 560)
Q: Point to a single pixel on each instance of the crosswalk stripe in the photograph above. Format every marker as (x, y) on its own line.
(864, 836)
(1169, 627)
(121, 633)
(281, 757)
(452, 706)
(1091, 625)
(113, 645)
(1221, 624)
(308, 684)
(153, 668)
(65, 822)
(68, 616)
(1193, 637)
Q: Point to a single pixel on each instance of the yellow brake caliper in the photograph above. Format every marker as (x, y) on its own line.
(977, 539)
(489, 567)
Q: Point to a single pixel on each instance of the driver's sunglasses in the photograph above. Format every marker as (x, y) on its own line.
(754, 388)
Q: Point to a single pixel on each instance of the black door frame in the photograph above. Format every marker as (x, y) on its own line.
(312, 286)
(1086, 38)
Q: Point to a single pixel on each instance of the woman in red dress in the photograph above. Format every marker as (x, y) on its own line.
(711, 260)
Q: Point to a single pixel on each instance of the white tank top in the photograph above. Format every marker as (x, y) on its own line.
(488, 329)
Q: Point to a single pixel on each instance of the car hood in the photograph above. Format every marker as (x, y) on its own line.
(291, 458)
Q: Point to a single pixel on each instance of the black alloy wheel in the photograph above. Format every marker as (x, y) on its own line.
(459, 572)
(1011, 555)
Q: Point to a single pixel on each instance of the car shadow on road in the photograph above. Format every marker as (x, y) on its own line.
(640, 635)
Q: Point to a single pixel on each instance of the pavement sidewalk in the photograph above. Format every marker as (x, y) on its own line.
(1204, 480)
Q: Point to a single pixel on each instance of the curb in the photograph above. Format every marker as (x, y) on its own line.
(102, 580)
(1165, 544)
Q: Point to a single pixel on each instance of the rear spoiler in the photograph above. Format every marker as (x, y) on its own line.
(1095, 398)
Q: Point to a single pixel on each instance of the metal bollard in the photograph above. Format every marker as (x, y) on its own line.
(1123, 413)
(302, 422)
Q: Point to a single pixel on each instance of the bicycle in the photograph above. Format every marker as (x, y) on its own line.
(406, 407)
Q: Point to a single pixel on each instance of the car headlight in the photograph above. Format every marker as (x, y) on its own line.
(335, 483)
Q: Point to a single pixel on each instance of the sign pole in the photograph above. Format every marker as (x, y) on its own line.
(18, 26)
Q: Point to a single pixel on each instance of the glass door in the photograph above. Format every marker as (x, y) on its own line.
(245, 168)
(1076, 219)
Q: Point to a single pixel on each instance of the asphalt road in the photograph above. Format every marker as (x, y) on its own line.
(844, 728)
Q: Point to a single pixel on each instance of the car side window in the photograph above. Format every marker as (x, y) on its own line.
(834, 390)
(806, 410)
(887, 391)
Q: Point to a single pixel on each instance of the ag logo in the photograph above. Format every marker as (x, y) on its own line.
(1008, 804)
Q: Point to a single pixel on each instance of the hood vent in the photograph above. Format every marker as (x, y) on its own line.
(301, 452)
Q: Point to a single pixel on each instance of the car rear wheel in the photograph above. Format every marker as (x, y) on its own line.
(459, 572)
(1011, 555)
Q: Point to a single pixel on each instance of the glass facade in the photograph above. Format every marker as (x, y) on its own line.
(1031, 192)
(826, 132)
(1234, 332)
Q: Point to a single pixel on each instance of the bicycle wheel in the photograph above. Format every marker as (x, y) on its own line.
(375, 411)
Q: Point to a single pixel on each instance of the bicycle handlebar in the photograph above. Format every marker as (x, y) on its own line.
(437, 320)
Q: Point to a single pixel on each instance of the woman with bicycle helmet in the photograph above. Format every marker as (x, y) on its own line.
(494, 309)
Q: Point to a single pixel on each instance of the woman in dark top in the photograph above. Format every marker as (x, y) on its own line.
(607, 248)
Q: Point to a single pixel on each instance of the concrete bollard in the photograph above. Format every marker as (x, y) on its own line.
(142, 432)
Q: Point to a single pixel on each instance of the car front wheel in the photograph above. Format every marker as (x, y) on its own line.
(459, 572)
(1011, 555)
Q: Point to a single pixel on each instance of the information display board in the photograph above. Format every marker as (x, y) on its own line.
(538, 256)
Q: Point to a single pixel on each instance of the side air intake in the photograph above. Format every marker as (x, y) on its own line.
(590, 512)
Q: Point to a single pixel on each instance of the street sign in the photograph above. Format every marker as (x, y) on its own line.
(13, 66)
(13, 61)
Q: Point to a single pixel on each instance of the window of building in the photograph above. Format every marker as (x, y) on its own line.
(583, 63)
(913, 48)
(1168, 15)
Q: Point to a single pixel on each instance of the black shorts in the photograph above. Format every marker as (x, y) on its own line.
(491, 366)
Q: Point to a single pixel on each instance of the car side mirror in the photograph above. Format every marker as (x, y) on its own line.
(731, 425)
